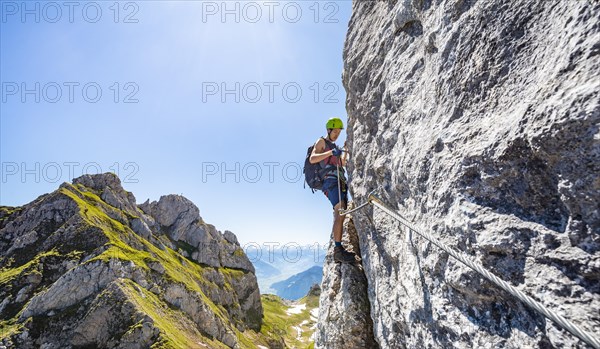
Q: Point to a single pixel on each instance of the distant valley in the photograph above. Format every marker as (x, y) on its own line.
(280, 266)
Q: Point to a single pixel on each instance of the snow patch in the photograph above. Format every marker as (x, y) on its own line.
(296, 309)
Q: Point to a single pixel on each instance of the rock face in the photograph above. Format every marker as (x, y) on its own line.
(86, 267)
(479, 121)
(344, 308)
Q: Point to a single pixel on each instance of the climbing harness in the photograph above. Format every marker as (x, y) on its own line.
(469, 262)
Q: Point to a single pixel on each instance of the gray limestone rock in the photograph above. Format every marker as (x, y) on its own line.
(480, 122)
(231, 238)
(110, 189)
(180, 219)
(76, 285)
(141, 228)
(344, 309)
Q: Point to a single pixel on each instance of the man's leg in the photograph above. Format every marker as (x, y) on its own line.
(339, 253)
(338, 223)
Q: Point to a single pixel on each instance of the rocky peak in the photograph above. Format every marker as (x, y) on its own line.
(85, 267)
(172, 211)
(109, 189)
(180, 219)
(315, 290)
(100, 182)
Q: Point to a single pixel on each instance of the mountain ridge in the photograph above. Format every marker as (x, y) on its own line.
(297, 285)
(68, 251)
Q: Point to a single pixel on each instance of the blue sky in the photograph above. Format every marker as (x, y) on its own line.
(180, 131)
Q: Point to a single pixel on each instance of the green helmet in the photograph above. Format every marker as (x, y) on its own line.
(335, 123)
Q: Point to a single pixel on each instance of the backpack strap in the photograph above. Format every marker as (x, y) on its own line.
(329, 143)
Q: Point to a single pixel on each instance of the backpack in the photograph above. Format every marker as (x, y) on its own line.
(313, 173)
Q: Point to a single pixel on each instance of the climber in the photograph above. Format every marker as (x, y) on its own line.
(330, 156)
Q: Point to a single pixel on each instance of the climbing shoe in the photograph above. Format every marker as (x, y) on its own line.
(342, 256)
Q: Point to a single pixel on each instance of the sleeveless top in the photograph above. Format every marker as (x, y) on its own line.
(329, 165)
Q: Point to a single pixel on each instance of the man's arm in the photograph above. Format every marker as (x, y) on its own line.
(344, 157)
(319, 153)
